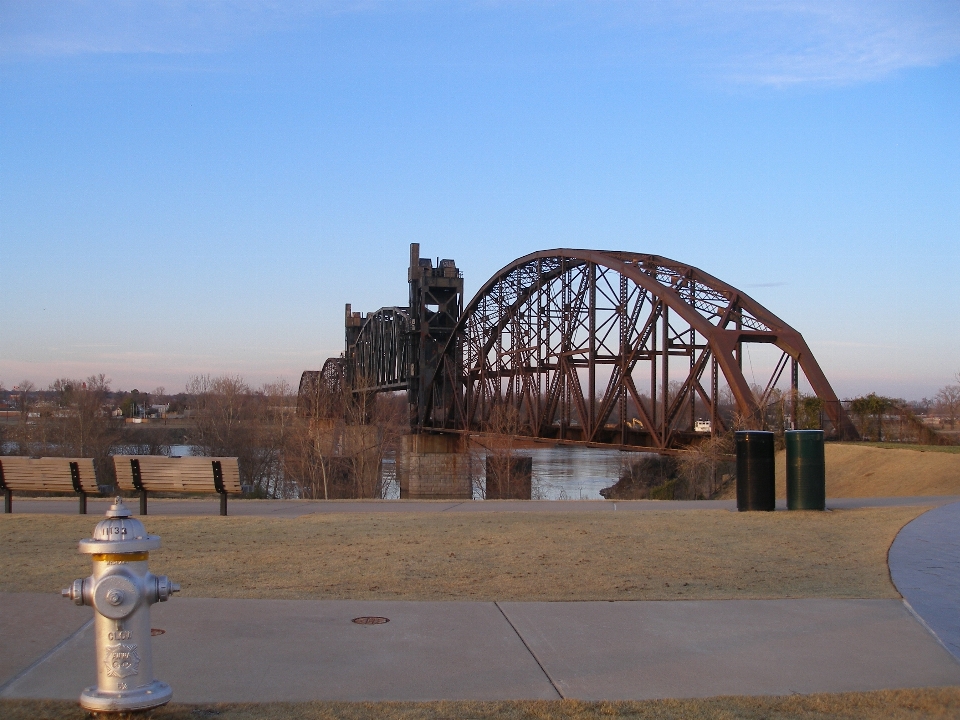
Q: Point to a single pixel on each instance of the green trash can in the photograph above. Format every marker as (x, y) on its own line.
(756, 479)
(806, 470)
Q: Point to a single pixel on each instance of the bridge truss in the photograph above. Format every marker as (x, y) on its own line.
(581, 346)
(612, 348)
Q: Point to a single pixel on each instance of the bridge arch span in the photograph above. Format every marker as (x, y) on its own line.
(379, 357)
(612, 347)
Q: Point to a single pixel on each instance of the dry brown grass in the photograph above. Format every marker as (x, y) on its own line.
(857, 471)
(650, 555)
(866, 470)
(883, 705)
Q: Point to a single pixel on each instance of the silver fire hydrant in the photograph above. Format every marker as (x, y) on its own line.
(121, 591)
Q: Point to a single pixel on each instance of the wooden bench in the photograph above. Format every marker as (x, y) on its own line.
(158, 473)
(46, 474)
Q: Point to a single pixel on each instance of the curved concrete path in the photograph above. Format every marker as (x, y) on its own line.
(925, 566)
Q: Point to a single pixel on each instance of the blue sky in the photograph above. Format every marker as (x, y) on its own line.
(199, 187)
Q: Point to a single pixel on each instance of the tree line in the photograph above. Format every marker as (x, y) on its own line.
(336, 448)
(280, 453)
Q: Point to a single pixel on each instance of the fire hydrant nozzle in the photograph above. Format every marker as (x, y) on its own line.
(121, 591)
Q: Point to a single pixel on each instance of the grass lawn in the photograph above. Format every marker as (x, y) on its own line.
(883, 705)
(953, 449)
(561, 556)
(859, 469)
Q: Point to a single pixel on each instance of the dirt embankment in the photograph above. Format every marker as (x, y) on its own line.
(856, 470)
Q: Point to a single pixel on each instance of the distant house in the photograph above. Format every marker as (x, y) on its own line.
(158, 411)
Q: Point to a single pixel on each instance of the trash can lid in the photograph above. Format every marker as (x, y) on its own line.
(119, 533)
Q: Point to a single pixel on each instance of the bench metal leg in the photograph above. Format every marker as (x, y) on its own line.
(223, 503)
(7, 500)
(143, 502)
(83, 503)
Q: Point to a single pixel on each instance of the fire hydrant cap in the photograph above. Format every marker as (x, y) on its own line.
(119, 533)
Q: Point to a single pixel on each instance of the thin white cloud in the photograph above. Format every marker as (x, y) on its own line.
(780, 43)
(766, 42)
(48, 28)
(790, 42)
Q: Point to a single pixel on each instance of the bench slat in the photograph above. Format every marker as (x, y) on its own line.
(159, 473)
(48, 474)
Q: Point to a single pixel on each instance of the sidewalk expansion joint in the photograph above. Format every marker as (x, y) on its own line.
(933, 633)
(532, 653)
(46, 656)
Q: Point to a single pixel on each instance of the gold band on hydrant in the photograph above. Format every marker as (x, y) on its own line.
(121, 557)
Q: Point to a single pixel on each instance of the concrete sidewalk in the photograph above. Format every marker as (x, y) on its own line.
(266, 650)
(216, 650)
(925, 567)
(297, 508)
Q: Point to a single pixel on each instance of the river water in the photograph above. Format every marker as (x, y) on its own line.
(563, 472)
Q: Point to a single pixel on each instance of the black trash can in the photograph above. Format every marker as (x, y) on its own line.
(756, 478)
(806, 470)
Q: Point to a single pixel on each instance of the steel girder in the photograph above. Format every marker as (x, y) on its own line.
(321, 391)
(309, 393)
(583, 343)
(379, 358)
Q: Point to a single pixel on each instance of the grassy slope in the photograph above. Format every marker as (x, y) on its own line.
(651, 555)
(882, 470)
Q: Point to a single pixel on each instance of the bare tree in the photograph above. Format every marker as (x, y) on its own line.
(308, 452)
(27, 436)
(704, 467)
(375, 422)
(233, 421)
(336, 446)
(84, 428)
(276, 416)
(77, 426)
(947, 402)
(3, 429)
(25, 401)
(507, 474)
(312, 440)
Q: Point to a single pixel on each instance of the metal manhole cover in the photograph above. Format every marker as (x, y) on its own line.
(371, 620)
(156, 631)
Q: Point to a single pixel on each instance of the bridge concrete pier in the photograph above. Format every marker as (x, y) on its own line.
(434, 467)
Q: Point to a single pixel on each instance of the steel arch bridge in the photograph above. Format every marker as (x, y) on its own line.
(582, 346)
(321, 391)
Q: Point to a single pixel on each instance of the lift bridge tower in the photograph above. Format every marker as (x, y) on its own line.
(436, 303)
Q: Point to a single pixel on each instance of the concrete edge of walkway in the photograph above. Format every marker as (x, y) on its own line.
(924, 563)
(298, 508)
